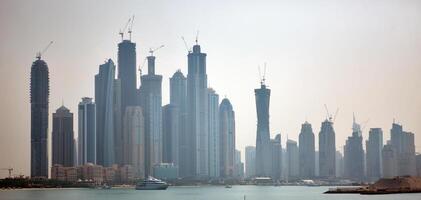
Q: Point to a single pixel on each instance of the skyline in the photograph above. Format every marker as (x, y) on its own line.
(288, 109)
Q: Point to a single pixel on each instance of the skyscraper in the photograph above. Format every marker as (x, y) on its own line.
(238, 165)
(213, 129)
(134, 140)
(87, 132)
(250, 161)
(39, 118)
(170, 134)
(403, 143)
(118, 123)
(63, 138)
(374, 147)
(178, 95)
(197, 113)
(354, 154)
(151, 102)
(327, 150)
(227, 138)
(306, 151)
(263, 158)
(127, 73)
(276, 158)
(104, 96)
(293, 162)
(389, 161)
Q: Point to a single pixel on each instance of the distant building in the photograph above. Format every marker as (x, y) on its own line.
(250, 161)
(126, 174)
(227, 138)
(91, 172)
(418, 159)
(238, 165)
(127, 73)
(134, 140)
(403, 142)
(276, 157)
(374, 147)
(214, 134)
(327, 150)
(339, 159)
(293, 162)
(151, 102)
(306, 152)
(178, 98)
(170, 134)
(39, 91)
(68, 174)
(354, 154)
(104, 97)
(389, 161)
(165, 171)
(263, 152)
(63, 137)
(118, 123)
(87, 132)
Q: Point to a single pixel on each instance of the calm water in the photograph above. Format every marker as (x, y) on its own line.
(196, 193)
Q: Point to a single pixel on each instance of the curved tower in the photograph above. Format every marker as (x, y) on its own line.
(263, 151)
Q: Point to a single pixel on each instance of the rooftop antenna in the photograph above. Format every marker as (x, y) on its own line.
(197, 37)
(130, 29)
(153, 50)
(39, 54)
(124, 29)
(185, 44)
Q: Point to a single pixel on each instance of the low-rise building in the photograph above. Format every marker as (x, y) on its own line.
(166, 171)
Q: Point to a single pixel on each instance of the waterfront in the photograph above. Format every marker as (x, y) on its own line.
(196, 193)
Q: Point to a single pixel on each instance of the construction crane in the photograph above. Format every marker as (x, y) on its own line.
(329, 116)
(10, 171)
(151, 51)
(262, 78)
(131, 28)
(40, 53)
(185, 44)
(124, 29)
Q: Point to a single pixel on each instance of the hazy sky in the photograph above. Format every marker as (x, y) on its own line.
(356, 55)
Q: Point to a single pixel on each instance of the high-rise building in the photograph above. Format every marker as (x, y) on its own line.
(104, 96)
(403, 142)
(327, 150)
(250, 161)
(213, 130)
(39, 118)
(63, 138)
(238, 165)
(339, 160)
(87, 132)
(127, 73)
(276, 152)
(389, 161)
(197, 113)
(263, 153)
(118, 123)
(227, 138)
(170, 134)
(134, 140)
(151, 102)
(178, 95)
(374, 147)
(293, 162)
(306, 151)
(418, 160)
(354, 154)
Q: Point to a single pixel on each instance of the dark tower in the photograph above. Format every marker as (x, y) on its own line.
(127, 72)
(39, 118)
(263, 153)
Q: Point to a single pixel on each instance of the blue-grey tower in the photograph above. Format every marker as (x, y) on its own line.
(127, 73)
(39, 118)
(263, 145)
(306, 151)
(87, 134)
(227, 139)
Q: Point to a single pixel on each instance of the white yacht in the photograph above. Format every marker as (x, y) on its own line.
(151, 183)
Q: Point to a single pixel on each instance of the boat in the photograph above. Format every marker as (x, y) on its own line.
(151, 183)
(228, 186)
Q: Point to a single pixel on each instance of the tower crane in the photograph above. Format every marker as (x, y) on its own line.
(124, 29)
(185, 44)
(329, 116)
(131, 28)
(40, 53)
(10, 171)
(151, 50)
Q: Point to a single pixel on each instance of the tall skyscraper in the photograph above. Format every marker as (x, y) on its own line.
(134, 140)
(354, 154)
(263, 158)
(374, 147)
(118, 123)
(403, 142)
(151, 102)
(213, 130)
(127, 73)
(63, 138)
(104, 96)
(238, 165)
(227, 138)
(250, 161)
(170, 134)
(293, 162)
(178, 95)
(389, 161)
(39, 118)
(306, 151)
(327, 150)
(276, 152)
(197, 113)
(87, 132)
(339, 160)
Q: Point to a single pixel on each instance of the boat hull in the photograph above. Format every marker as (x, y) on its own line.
(152, 187)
